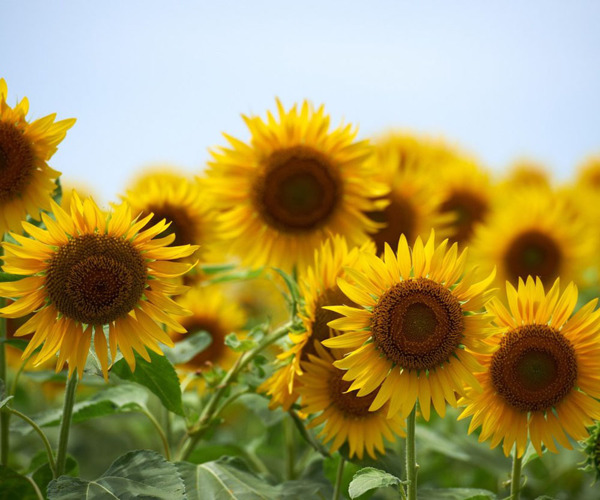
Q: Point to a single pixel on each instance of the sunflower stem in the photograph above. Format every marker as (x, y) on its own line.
(196, 433)
(159, 430)
(338, 478)
(515, 478)
(290, 450)
(4, 417)
(411, 455)
(65, 424)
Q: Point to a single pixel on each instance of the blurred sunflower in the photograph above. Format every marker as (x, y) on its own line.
(542, 377)
(466, 193)
(25, 148)
(417, 327)
(292, 186)
(526, 174)
(182, 201)
(318, 289)
(414, 202)
(86, 272)
(540, 237)
(346, 416)
(215, 313)
(588, 176)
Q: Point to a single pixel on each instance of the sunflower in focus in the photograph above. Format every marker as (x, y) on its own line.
(414, 207)
(293, 185)
(212, 312)
(346, 416)
(540, 237)
(88, 273)
(172, 196)
(541, 381)
(318, 289)
(466, 193)
(417, 327)
(26, 180)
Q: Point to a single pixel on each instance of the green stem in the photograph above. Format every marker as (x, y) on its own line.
(515, 479)
(65, 424)
(15, 381)
(36, 488)
(290, 451)
(40, 433)
(308, 437)
(163, 436)
(338, 479)
(411, 455)
(197, 431)
(4, 417)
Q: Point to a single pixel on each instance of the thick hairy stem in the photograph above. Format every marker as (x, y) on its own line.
(65, 424)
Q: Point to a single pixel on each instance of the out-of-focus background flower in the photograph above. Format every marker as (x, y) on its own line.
(156, 81)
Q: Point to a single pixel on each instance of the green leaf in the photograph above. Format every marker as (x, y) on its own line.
(14, 485)
(368, 479)
(119, 399)
(457, 494)
(230, 478)
(20, 344)
(138, 474)
(159, 376)
(291, 284)
(239, 345)
(185, 350)
(242, 275)
(216, 268)
(10, 277)
(42, 475)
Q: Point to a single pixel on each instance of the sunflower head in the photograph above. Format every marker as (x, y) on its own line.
(182, 201)
(291, 186)
(541, 236)
(527, 174)
(591, 448)
(346, 416)
(214, 313)
(89, 274)
(417, 325)
(26, 180)
(540, 378)
(589, 173)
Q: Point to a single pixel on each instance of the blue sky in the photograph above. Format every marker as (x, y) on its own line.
(157, 82)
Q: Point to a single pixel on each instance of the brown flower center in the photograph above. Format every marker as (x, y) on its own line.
(417, 324)
(348, 402)
(533, 253)
(215, 350)
(469, 209)
(298, 191)
(534, 368)
(96, 278)
(182, 225)
(401, 218)
(320, 330)
(17, 162)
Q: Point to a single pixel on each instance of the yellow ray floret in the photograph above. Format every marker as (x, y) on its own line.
(90, 276)
(541, 380)
(25, 149)
(416, 327)
(295, 183)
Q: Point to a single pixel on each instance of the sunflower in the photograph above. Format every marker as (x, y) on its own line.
(588, 176)
(542, 377)
(414, 202)
(172, 196)
(526, 174)
(346, 416)
(540, 237)
(318, 289)
(417, 327)
(25, 148)
(466, 193)
(88, 273)
(212, 312)
(295, 183)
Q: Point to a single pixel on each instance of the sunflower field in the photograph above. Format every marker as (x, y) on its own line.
(314, 315)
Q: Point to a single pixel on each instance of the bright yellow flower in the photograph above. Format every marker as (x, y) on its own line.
(588, 176)
(542, 379)
(88, 272)
(26, 180)
(526, 174)
(318, 288)
(534, 233)
(416, 329)
(215, 313)
(346, 416)
(293, 185)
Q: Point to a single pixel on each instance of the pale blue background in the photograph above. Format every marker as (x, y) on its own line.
(158, 81)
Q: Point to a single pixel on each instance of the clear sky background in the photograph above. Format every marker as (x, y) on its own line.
(153, 82)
